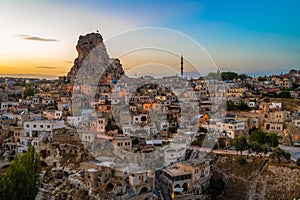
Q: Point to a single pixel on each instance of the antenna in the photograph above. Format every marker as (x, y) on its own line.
(181, 63)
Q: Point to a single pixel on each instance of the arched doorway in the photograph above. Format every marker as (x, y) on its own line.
(144, 190)
(110, 187)
(44, 164)
(185, 187)
(143, 118)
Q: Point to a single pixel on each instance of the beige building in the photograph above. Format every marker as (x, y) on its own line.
(283, 83)
(187, 179)
(142, 182)
(122, 141)
(275, 122)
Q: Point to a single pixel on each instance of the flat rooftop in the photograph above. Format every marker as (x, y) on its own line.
(176, 172)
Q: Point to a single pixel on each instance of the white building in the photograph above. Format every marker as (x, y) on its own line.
(8, 105)
(26, 101)
(52, 114)
(275, 105)
(48, 101)
(176, 150)
(251, 104)
(39, 130)
(139, 119)
(75, 120)
(34, 100)
(230, 127)
(87, 136)
(297, 122)
(101, 123)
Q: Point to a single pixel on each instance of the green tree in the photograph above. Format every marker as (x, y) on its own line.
(295, 85)
(298, 162)
(284, 94)
(202, 130)
(242, 76)
(267, 100)
(21, 180)
(221, 143)
(112, 127)
(273, 139)
(28, 92)
(241, 106)
(240, 143)
(256, 147)
(265, 148)
(229, 75)
(262, 78)
(279, 153)
(262, 138)
(199, 140)
(259, 136)
(172, 129)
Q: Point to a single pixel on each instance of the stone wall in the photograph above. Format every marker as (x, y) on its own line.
(258, 179)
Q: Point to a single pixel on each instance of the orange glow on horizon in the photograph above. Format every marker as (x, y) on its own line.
(34, 66)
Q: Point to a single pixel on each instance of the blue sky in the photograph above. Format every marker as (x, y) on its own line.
(255, 37)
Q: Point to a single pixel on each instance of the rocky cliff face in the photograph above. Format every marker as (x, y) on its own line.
(257, 179)
(93, 62)
(278, 182)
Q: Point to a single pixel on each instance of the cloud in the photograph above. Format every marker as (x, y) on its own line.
(36, 38)
(45, 67)
(69, 61)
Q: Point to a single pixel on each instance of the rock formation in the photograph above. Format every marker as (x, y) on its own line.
(93, 62)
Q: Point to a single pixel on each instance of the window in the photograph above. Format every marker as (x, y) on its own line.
(27, 125)
(141, 178)
(41, 126)
(48, 126)
(34, 126)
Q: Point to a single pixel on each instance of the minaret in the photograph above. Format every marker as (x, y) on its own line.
(181, 62)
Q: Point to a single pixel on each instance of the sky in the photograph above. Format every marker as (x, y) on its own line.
(255, 37)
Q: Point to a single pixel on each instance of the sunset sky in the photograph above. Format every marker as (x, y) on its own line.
(256, 37)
